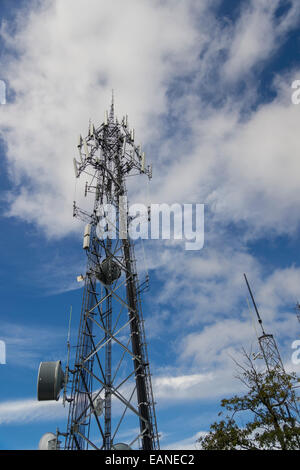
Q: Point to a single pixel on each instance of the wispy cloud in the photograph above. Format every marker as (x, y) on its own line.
(27, 345)
(189, 443)
(27, 411)
(149, 39)
(257, 34)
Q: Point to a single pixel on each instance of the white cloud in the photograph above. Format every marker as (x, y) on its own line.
(190, 443)
(257, 35)
(68, 57)
(27, 411)
(181, 387)
(262, 167)
(244, 169)
(26, 345)
(280, 288)
(216, 342)
(203, 286)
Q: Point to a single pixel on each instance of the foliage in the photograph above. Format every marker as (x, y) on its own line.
(269, 409)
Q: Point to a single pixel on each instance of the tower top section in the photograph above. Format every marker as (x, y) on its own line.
(112, 144)
(112, 108)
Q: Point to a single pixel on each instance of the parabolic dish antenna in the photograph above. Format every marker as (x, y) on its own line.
(48, 442)
(120, 446)
(50, 380)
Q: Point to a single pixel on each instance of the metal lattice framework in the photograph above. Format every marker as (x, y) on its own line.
(270, 352)
(111, 397)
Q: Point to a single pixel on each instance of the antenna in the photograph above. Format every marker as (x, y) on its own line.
(112, 108)
(271, 354)
(143, 162)
(75, 168)
(68, 360)
(254, 304)
(252, 317)
(106, 118)
(298, 311)
(87, 154)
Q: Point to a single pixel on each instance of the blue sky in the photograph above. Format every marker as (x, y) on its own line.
(207, 86)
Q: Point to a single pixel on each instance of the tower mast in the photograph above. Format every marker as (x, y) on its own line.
(270, 352)
(111, 393)
(266, 342)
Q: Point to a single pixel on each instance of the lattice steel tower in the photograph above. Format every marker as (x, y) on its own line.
(109, 391)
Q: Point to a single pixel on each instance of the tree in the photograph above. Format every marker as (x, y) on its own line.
(268, 412)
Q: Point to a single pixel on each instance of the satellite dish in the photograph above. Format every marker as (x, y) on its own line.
(50, 380)
(99, 406)
(108, 271)
(120, 446)
(49, 442)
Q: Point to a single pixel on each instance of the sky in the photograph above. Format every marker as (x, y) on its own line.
(207, 85)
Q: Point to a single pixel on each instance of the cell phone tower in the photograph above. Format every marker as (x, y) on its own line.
(109, 390)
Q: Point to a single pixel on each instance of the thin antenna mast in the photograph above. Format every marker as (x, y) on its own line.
(254, 304)
(68, 360)
(298, 311)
